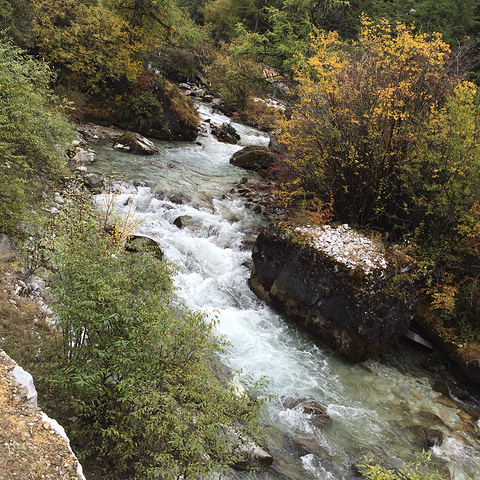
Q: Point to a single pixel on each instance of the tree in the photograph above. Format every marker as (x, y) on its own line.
(131, 362)
(287, 31)
(32, 133)
(388, 130)
(5, 14)
(84, 41)
(454, 19)
(154, 22)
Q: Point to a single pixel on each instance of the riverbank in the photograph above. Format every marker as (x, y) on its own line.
(373, 398)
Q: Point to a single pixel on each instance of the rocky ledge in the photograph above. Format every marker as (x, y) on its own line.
(337, 284)
(32, 445)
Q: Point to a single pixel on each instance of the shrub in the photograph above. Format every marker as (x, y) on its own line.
(32, 131)
(131, 362)
(415, 470)
(387, 127)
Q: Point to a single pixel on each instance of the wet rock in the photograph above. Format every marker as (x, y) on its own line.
(355, 305)
(225, 133)
(135, 143)
(248, 455)
(183, 221)
(140, 243)
(309, 406)
(192, 223)
(374, 456)
(179, 198)
(426, 437)
(307, 446)
(253, 157)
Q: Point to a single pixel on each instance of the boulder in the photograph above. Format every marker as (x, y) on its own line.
(246, 454)
(179, 198)
(335, 285)
(7, 249)
(178, 119)
(307, 446)
(83, 157)
(189, 222)
(169, 114)
(427, 438)
(252, 457)
(93, 182)
(140, 243)
(253, 157)
(135, 143)
(92, 131)
(225, 133)
(311, 407)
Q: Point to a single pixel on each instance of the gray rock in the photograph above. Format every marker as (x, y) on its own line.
(253, 157)
(179, 198)
(93, 182)
(186, 221)
(27, 390)
(247, 454)
(308, 446)
(182, 221)
(7, 249)
(309, 406)
(427, 437)
(135, 143)
(84, 157)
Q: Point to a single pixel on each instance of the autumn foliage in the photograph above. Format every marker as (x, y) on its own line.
(387, 129)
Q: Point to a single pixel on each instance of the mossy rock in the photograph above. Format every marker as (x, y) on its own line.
(140, 244)
(162, 112)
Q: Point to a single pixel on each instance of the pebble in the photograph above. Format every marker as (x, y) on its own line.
(345, 246)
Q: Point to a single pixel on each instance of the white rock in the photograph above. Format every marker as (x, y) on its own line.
(26, 381)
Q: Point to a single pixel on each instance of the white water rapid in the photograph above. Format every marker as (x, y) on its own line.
(374, 407)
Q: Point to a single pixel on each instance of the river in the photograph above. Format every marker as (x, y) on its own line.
(374, 406)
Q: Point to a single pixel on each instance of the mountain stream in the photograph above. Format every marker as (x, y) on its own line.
(374, 406)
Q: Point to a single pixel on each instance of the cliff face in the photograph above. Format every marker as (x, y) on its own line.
(32, 445)
(334, 284)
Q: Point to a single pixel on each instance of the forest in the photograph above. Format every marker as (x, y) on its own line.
(381, 130)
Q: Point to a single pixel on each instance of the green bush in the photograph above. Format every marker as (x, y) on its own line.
(131, 362)
(32, 131)
(415, 470)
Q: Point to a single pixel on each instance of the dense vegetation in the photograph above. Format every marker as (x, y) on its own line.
(381, 131)
(135, 366)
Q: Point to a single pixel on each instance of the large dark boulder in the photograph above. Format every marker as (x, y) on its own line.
(335, 285)
(253, 157)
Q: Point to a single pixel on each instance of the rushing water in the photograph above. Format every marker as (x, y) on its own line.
(373, 406)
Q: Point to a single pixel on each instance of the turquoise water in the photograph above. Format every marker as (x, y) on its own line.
(373, 406)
